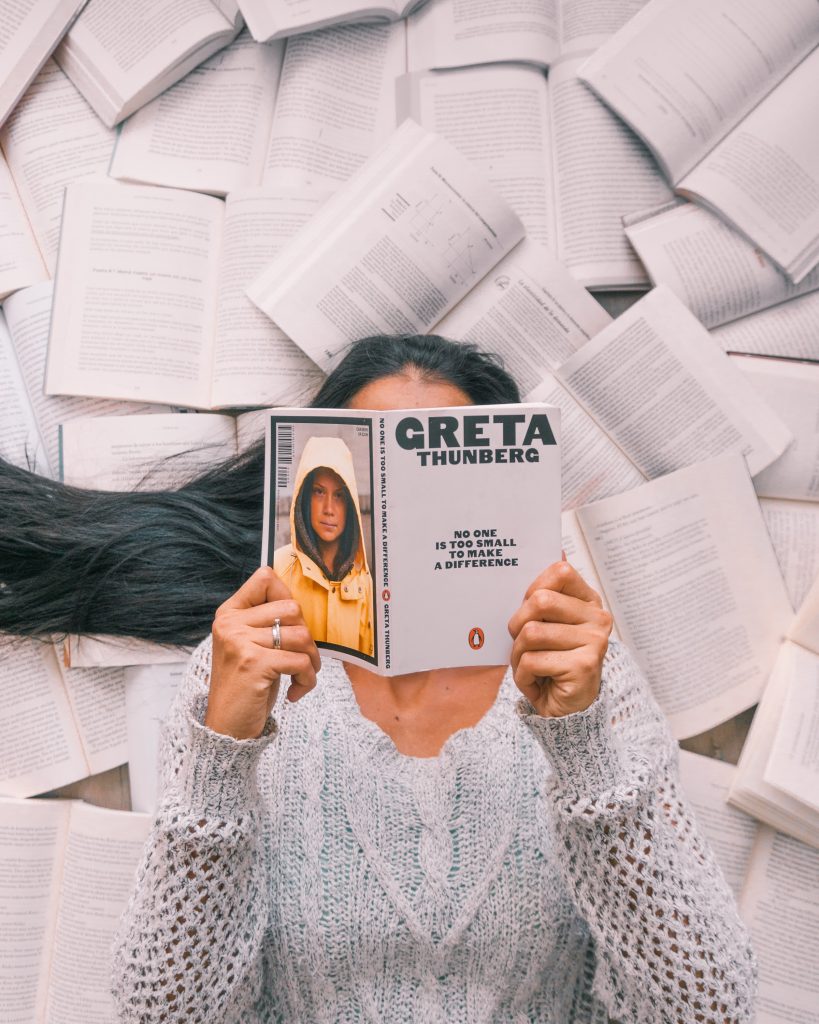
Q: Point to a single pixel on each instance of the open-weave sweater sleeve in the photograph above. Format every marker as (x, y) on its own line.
(669, 945)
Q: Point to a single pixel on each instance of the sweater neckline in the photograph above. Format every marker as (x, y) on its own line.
(374, 739)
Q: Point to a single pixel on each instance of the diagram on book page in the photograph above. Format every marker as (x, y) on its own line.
(438, 225)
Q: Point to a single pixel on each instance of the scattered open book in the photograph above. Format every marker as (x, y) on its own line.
(149, 692)
(688, 571)
(56, 725)
(407, 236)
(121, 54)
(274, 19)
(724, 93)
(249, 116)
(793, 527)
(566, 165)
(30, 31)
(149, 300)
(409, 537)
(71, 871)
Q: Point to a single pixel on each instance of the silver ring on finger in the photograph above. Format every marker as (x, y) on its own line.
(277, 634)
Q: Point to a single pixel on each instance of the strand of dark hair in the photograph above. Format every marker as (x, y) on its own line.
(156, 564)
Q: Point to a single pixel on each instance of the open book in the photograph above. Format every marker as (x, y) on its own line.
(30, 31)
(274, 19)
(407, 236)
(141, 452)
(121, 54)
(793, 527)
(566, 165)
(246, 118)
(149, 300)
(56, 725)
(67, 871)
(149, 692)
(456, 33)
(728, 284)
(780, 907)
(409, 537)
(723, 92)
(688, 571)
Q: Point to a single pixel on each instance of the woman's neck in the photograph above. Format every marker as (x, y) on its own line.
(419, 711)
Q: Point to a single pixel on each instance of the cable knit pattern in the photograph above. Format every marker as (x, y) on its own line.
(536, 870)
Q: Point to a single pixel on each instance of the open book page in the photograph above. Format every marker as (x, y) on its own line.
(250, 428)
(716, 272)
(149, 691)
(134, 299)
(749, 790)
(586, 24)
(53, 138)
(592, 466)
(28, 314)
(530, 311)
(471, 109)
(793, 764)
(210, 131)
(780, 905)
(577, 554)
(793, 527)
(662, 390)
(788, 331)
(39, 745)
(269, 19)
(683, 75)
(32, 838)
(730, 832)
(805, 627)
(29, 31)
(100, 861)
(20, 441)
(254, 361)
(21, 263)
(764, 176)
(120, 54)
(97, 697)
(455, 33)
(694, 585)
(792, 391)
(335, 105)
(602, 173)
(392, 252)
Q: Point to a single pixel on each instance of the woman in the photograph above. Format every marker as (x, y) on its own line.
(325, 566)
(494, 845)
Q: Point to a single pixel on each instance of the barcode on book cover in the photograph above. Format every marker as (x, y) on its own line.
(284, 455)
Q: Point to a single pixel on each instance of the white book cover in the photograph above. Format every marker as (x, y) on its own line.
(433, 523)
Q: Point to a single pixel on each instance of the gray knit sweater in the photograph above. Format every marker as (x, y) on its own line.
(536, 870)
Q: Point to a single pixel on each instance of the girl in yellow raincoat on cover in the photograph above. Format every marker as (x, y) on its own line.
(325, 565)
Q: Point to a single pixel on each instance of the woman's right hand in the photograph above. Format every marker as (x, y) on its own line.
(246, 669)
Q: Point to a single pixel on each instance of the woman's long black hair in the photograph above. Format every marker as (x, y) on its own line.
(156, 564)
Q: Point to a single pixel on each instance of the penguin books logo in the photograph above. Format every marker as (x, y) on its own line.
(476, 638)
(385, 594)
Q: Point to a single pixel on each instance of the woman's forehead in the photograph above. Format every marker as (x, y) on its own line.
(325, 477)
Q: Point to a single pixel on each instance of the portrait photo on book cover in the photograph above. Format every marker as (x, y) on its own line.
(322, 530)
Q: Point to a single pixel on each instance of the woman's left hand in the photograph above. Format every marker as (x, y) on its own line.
(561, 634)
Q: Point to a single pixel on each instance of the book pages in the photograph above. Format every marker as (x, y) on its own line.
(97, 698)
(21, 263)
(793, 763)
(210, 131)
(149, 692)
(805, 627)
(275, 19)
(29, 31)
(792, 391)
(20, 441)
(749, 789)
(793, 527)
(585, 25)
(335, 105)
(407, 237)
(764, 176)
(695, 588)
(577, 554)
(730, 833)
(663, 392)
(530, 311)
(780, 906)
(716, 272)
(789, 330)
(51, 139)
(39, 745)
(133, 247)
